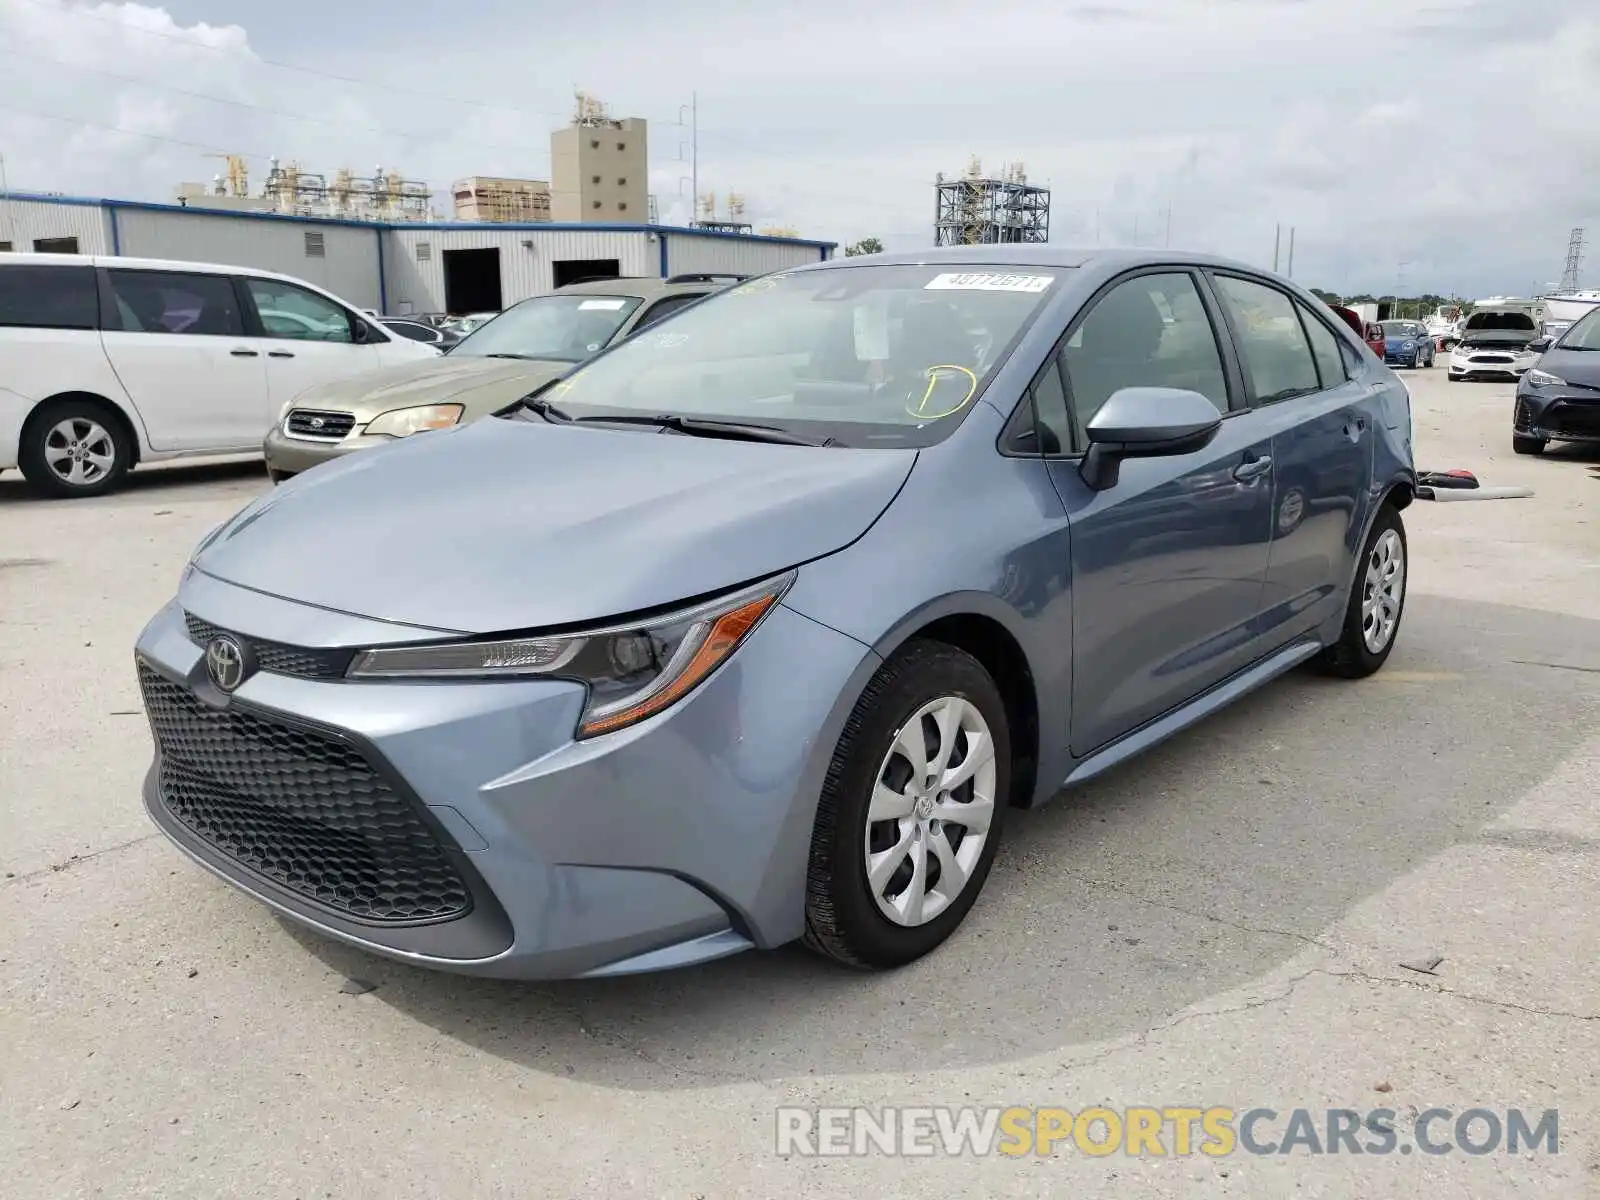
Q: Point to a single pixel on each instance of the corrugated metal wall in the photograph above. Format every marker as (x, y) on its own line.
(687, 254)
(348, 267)
(524, 271)
(22, 222)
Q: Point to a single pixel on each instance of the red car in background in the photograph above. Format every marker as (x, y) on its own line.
(1369, 332)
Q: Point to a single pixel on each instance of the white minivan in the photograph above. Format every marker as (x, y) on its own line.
(107, 362)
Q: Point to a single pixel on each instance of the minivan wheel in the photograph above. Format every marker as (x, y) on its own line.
(910, 814)
(1377, 602)
(73, 448)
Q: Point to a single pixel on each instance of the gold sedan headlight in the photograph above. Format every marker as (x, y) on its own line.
(403, 422)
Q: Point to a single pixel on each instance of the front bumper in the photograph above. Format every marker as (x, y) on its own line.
(1491, 365)
(1404, 358)
(1563, 414)
(287, 455)
(679, 840)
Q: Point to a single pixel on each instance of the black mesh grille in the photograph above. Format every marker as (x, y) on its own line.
(304, 661)
(1573, 420)
(304, 810)
(317, 423)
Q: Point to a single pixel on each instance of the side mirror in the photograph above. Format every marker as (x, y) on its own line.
(1540, 344)
(1146, 422)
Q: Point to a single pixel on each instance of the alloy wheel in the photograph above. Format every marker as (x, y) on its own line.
(79, 451)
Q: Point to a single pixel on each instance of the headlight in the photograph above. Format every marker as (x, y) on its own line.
(403, 422)
(633, 670)
(1537, 378)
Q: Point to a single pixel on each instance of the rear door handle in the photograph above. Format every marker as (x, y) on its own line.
(1252, 468)
(243, 353)
(279, 354)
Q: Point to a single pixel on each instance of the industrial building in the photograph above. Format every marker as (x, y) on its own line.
(978, 210)
(397, 266)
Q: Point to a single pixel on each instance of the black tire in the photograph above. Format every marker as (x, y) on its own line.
(40, 432)
(843, 921)
(1527, 445)
(1349, 657)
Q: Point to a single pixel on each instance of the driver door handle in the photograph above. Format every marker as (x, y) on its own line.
(279, 354)
(1252, 469)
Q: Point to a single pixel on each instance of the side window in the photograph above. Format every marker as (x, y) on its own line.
(1324, 348)
(48, 297)
(1050, 408)
(1152, 331)
(287, 311)
(174, 302)
(1271, 340)
(407, 329)
(663, 309)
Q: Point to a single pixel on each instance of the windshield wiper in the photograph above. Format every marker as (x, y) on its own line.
(705, 427)
(546, 409)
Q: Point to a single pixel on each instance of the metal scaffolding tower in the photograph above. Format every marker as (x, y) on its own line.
(1569, 276)
(976, 210)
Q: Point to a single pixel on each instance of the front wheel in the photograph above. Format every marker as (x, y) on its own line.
(1377, 601)
(1527, 445)
(911, 809)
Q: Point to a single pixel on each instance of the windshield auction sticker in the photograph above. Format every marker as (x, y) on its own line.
(987, 282)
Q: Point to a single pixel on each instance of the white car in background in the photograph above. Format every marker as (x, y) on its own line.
(107, 362)
(1495, 341)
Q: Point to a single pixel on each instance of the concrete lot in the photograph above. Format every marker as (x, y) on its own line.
(1219, 923)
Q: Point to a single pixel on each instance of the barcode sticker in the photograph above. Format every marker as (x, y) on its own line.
(988, 282)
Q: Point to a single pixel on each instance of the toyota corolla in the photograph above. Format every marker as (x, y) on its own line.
(754, 627)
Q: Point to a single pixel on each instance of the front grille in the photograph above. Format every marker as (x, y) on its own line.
(1490, 358)
(305, 661)
(302, 809)
(1571, 420)
(319, 423)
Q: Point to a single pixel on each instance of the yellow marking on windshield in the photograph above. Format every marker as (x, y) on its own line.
(921, 408)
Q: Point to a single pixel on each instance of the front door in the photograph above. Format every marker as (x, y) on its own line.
(306, 339)
(1320, 421)
(1168, 563)
(177, 342)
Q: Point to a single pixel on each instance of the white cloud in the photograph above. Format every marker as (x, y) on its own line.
(1461, 137)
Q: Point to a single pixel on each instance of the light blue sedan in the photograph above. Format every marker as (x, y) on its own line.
(756, 626)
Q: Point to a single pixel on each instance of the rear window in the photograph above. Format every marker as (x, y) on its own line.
(48, 297)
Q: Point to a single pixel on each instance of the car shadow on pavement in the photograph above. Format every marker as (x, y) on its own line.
(14, 488)
(1184, 874)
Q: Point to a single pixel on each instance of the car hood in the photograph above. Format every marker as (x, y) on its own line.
(431, 381)
(1578, 367)
(507, 525)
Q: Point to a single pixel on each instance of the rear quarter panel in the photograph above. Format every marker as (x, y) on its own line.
(41, 363)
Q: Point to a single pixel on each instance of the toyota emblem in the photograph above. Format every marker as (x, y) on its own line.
(225, 662)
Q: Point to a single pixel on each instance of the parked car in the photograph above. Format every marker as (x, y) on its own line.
(421, 331)
(1407, 344)
(467, 323)
(754, 626)
(1559, 398)
(523, 348)
(106, 362)
(1496, 343)
(1369, 332)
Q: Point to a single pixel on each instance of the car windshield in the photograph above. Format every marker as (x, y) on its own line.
(867, 355)
(563, 328)
(1584, 333)
(1400, 328)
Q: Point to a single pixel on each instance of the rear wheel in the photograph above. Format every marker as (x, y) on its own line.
(1377, 601)
(74, 448)
(1527, 445)
(910, 813)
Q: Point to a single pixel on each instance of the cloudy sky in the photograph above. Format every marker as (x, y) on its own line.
(1440, 145)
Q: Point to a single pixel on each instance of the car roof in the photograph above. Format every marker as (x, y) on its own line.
(34, 259)
(1038, 255)
(648, 286)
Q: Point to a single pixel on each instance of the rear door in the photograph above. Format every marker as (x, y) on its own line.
(176, 340)
(1168, 563)
(1311, 399)
(306, 338)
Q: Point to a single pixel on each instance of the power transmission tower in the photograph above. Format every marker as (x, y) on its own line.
(1569, 276)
